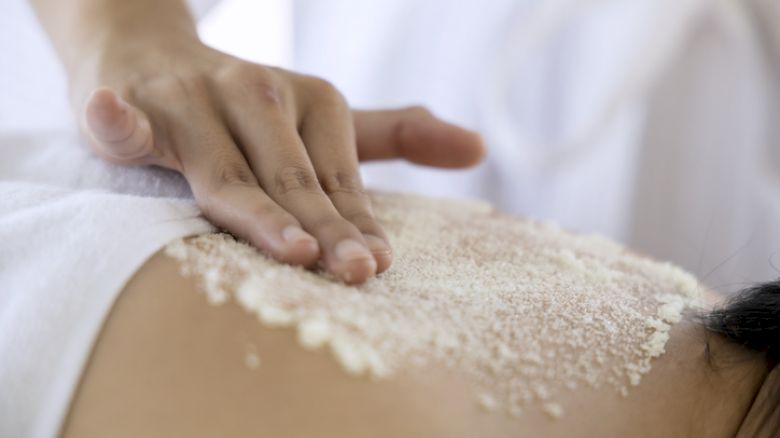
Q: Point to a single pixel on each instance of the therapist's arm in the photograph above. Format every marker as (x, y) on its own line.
(270, 155)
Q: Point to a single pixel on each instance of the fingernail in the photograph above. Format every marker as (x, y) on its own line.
(293, 234)
(349, 249)
(376, 244)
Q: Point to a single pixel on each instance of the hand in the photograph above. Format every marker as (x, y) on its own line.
(270, 155)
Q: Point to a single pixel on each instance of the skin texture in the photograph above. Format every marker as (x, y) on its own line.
(169, 364)
(271, 155)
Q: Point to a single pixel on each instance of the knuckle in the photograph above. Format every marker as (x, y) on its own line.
(254, 82)
(232, 73)
(322, 90)
(417, 112)
(329, 224)
(266, 210)
(410, 118)
(342, 182)
(182, 87)
(290, 179)
(231, 174)
(361, 218)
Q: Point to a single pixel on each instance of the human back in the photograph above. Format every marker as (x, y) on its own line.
(510, 336)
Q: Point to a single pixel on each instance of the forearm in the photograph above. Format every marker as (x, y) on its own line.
(85, 33)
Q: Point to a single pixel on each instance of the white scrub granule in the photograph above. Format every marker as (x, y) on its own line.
(554, 410)
(527, 310)
(251, 358)
(487, 402)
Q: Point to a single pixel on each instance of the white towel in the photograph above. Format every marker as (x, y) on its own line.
(73, 230)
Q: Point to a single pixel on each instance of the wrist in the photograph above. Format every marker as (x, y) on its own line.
(116, 58)
(101, 38)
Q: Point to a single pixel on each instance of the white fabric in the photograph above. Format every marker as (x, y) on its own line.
(73, 231)
(651, 121)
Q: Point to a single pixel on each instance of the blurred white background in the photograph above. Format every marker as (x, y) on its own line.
(259, 31)
(32, 82)
(682, 96)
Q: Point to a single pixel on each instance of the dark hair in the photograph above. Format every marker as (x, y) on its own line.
(751, 318)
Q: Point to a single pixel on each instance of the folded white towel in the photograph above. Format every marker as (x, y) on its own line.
(73, 230)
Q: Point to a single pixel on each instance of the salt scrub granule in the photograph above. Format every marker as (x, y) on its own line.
(554, 410)
(251, 358)
(487, 402)
(527, 311)
(313, 333)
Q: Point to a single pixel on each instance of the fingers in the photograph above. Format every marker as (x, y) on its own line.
(328, 133)
(263, 122)
(117, 131)
(291, 186)
(228, 193)
(416, 135)
(249, 213)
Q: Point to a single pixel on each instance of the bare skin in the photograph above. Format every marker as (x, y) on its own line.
(270, 155)
(169, 364)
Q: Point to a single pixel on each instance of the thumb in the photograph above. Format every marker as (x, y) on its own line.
(117, 131)
(416, 135)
